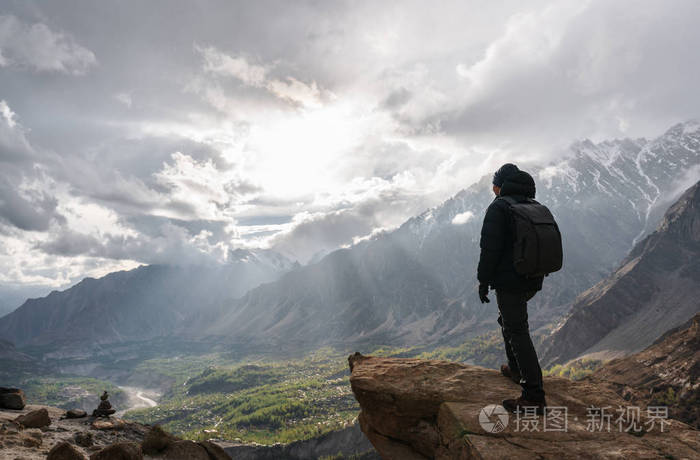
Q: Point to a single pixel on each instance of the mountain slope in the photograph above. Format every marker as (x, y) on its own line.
(413, 285)
(147, 302)
(417, 283)
(656, 288)
(666, 373)
(8, 352)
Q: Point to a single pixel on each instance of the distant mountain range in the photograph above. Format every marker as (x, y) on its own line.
(413, 285)
(656, 288)
(12, 297)
(140, 304)
(417, 284)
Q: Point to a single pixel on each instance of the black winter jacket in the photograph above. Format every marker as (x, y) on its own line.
(496, 261)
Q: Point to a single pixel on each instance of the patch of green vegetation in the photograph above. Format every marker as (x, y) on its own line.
(267, 400)
(485, 350)
(575, 370)
(215, 380)
(70, 392)
(266, 397)
(666, 398)
(263, 401)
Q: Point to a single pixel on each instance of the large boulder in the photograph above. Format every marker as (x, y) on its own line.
(185, 450)
(65, 451)
(119, 451)
(414, 409)
(161, 444)
(76, 413)
(215, 451)
(110, 424)
(12, 398)
(156, 440)
(35, 419)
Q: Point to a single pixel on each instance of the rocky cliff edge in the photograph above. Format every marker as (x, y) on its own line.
(44, 432)
(415, 409)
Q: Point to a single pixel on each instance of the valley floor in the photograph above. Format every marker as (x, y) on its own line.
(264, 399)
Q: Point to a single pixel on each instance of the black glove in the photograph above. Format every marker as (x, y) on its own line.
(483, 292)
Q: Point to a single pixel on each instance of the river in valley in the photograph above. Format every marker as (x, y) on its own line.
(138, 398)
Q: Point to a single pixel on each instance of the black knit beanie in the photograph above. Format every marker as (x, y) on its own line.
(503, 173)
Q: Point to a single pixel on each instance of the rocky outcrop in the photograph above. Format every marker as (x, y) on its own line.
(35, 419)
(414, 409)
(12, 398)
(215, 451)
(160, 444)
(76, 413)
(156, 440)
(65, 451)
(655, 288)
(70, 438)
(666, 373)
(185, 450)
(119, 451)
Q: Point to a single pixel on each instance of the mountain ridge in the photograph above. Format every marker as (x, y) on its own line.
(440, 256)
(417, 284)
(147, 302)
(654, 289)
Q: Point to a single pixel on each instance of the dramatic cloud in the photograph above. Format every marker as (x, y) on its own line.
(288, 88)
(39, 48)
(581, 69)
(24, 201)
(218, 125)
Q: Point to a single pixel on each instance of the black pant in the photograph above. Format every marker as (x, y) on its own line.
(520, 351)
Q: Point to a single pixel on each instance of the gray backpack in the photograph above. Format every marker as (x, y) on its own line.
(537, 250)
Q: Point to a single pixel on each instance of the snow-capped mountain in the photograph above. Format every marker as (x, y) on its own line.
(417, 284)
(605, 196)
(414, 285)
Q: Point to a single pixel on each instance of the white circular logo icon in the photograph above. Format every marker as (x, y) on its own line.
(493, 418)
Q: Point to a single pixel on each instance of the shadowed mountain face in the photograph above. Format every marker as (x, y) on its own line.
(667, 373)
(414, 285)
(8, 352)
(140, 304)
(417, 284)
(656, 288)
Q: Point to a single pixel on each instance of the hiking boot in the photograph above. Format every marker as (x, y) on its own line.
(514, 376)
(518, 405)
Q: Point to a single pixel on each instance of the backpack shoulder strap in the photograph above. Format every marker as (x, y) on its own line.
(508, 199)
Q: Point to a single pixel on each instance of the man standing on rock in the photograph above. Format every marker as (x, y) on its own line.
(497, 270)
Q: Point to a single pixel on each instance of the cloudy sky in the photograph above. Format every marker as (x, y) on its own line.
(173, 131)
